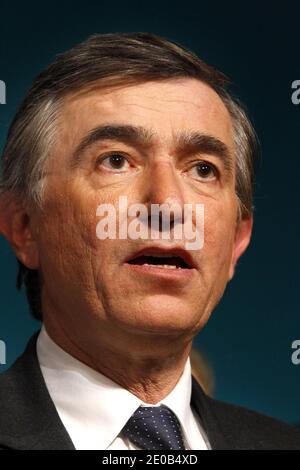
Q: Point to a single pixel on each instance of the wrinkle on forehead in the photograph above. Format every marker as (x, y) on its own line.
(179, 103)
(182, 90)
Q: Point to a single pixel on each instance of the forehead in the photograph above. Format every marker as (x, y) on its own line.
(165, 107)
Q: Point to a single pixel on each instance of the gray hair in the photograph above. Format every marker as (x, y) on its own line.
(114, 59)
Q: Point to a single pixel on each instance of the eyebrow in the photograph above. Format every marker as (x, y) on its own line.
(189, 142)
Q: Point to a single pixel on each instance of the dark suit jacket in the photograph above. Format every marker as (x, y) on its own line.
(29, 420)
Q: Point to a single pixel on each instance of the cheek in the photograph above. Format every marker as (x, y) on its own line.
(219, 227)
(67, 237)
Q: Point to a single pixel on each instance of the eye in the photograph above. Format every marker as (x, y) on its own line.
(114, 161)
(204, 171)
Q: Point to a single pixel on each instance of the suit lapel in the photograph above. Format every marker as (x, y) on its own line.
(204, 407)
(29, 413)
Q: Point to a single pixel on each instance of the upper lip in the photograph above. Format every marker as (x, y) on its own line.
(161, 250)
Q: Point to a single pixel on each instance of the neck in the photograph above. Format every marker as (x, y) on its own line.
(149, 371)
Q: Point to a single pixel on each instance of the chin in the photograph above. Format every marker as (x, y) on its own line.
(159, 317)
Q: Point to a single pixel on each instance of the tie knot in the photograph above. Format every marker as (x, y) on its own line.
(154, 428)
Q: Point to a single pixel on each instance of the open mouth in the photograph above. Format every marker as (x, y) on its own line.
(165, 261)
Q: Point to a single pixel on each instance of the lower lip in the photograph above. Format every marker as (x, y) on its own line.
(162, 273)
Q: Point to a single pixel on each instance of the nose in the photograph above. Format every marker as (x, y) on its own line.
(162, 186)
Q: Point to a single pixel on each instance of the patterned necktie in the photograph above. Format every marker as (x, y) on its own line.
(154, 428)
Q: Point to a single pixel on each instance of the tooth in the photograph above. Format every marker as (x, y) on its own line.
(168, 266)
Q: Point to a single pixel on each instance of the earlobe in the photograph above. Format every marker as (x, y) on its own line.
(5, 210)
(15, 226)
(241, 242)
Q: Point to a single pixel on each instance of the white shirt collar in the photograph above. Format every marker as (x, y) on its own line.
(91, 404)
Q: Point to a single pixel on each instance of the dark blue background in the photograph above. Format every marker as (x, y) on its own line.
(248, 339)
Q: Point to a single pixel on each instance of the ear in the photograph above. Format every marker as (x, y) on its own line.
(15, 225)
(241, 242)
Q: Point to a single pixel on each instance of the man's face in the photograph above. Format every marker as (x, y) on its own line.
(87, 283)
